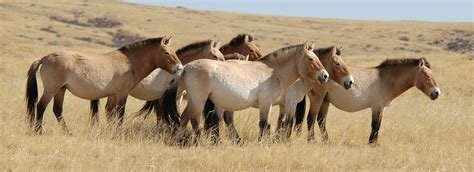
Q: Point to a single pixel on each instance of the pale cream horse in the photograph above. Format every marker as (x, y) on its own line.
(153, 86)
(375, 88)
(94, 76)
(338, 72)
(240, 47)
(238, 85)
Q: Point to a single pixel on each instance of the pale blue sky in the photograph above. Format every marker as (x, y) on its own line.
(426, 10)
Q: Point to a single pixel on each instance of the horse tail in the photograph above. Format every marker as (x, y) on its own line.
(31, 95)
(169, 109)
(147, 108)
(299, 113)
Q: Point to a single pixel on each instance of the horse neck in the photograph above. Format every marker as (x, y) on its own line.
(189, 56)
(227, 49)
(398, 79)
(141, 62)
(284, 68)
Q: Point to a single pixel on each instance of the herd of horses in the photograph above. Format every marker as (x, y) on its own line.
(218, 80)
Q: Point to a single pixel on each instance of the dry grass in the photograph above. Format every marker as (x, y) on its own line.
(416, 133)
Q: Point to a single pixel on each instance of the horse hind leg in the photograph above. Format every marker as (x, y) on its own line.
(40, 108)
(58, 109)
(229, 121)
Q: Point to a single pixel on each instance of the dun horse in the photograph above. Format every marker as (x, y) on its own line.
(236, 85)
(241, 47)
(338, 72)
(153, 86)
(93, 76)
(376, 88)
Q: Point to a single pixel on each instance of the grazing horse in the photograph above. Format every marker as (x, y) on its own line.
(241, 47)
(237, 85)
(153, 86)
(93, 76)
(338, 72)
(376, 88)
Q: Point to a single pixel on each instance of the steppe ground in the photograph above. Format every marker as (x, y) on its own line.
(416, 133)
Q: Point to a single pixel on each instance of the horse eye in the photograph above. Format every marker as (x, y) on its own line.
(252, 51)
(338, 64)
(310, 59)
(167, 53)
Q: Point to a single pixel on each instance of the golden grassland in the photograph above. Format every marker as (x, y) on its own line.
(416, 133)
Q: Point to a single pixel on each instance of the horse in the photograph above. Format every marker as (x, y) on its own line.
(237, 85)
(153, 85)
(241, 47)
(376, 88)
(338, 72)
(93, 76)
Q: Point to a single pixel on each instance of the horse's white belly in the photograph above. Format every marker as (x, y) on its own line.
(235, 97)
(153, 86)
(351, 100)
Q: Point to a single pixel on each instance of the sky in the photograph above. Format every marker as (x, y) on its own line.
(392, 10)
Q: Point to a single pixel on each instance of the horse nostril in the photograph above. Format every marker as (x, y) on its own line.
(325, 76)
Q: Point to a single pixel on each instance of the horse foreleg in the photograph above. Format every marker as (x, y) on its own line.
(376, 121)
(265, 109)
(315, 107)
(121, 109)
(110, 107)
(323, 111)
(229, 121)
(94, 112)
(58, 109)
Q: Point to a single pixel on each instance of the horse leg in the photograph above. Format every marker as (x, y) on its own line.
(323, 111)
(280, 129)
(265, 109)
(315, 105)
(210, 117)
(58, 109)
(156, 107)
(299, 115)
(40, 108)
(376, 121)
(121, 108)
(214, 130)
(94, 104)
(229, 121)
(110, 107)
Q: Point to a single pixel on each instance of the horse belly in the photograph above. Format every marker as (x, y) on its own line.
(95, 86)
(351, 100)
(153, 86)
(234, 97)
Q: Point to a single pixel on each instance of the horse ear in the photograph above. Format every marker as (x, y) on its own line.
(422, 62)
(217, 44)
(166, 40)
(334, 50)
(246, 38)
(339, 50)
(310, 47)
(247, 57)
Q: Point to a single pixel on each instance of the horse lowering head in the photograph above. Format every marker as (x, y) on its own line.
(424, 80)
(244, 44)
(337, 68)
(166, 58)
(309, 66)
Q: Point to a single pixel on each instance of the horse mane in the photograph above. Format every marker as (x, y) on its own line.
(239, 39)
(321, 52)
(146, 42)
(403, 62)
(280, 52)
(193, 46)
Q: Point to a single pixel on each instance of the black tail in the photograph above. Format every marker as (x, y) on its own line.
(147, 108)
(169, 110)
(299, 113)
(32, 91)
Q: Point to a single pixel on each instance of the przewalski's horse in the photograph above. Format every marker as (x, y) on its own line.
(152, 87)
(93, 76)
(242, 45)
(375, 88)
(338, 72)
(237, 85)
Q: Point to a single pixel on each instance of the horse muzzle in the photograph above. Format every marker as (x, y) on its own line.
(434, 93)
(177, 69)
(323, 76)
(348, 81)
